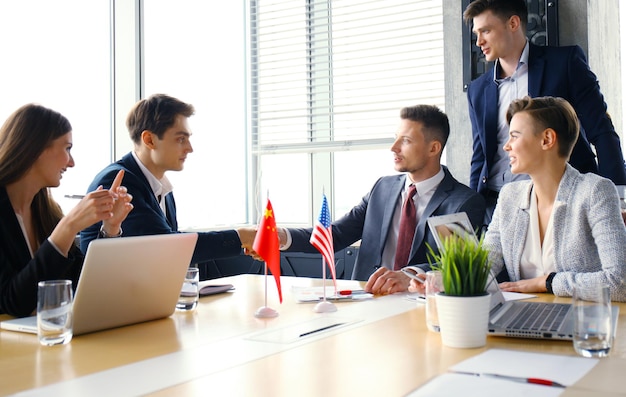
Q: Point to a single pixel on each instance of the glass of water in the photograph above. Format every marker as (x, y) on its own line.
(593, 331)
(54, 312)
(433, 285)
(189, 293)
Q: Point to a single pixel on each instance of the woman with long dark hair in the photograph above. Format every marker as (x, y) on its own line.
(36, 241)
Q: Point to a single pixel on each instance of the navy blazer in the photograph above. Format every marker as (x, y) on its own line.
(147, 217)
(552, 71)
(370, 221)
(19, 273)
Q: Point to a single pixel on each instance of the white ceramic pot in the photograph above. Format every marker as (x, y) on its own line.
(463, 320)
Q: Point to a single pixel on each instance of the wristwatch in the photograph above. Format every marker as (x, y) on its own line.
(549, 282)
(104, 234)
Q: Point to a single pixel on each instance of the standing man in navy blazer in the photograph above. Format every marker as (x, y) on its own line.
(160, 133)
(524, 69)
(417, 149)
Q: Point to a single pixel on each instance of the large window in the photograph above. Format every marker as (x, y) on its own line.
(57, 54)
(293, 98)
(196, 52)
(328, 80)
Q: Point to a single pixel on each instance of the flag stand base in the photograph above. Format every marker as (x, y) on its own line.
(265, 312)
(325, 307)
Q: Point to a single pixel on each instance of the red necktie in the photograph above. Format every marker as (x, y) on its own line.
(408, 223)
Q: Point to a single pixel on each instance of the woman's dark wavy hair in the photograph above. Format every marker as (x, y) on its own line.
(23, 137)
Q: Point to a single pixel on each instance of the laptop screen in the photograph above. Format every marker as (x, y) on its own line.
(444, 226)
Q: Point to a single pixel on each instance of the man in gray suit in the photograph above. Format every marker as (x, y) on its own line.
(417, 149)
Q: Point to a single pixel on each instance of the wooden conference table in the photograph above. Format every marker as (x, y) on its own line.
(383, 348)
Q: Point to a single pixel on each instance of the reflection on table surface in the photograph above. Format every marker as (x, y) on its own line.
(385, 348)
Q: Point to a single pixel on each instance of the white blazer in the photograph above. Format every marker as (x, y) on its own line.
(589, 233)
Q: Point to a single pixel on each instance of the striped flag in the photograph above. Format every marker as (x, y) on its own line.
(322, 237)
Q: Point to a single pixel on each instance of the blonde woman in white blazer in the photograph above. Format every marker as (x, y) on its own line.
(560, 226)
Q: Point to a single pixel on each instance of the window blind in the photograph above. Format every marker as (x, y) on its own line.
(334, 74)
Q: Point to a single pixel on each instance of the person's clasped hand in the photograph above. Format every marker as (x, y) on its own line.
(384, 282)
(247, 236)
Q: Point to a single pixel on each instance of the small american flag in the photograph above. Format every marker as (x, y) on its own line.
(322, 236)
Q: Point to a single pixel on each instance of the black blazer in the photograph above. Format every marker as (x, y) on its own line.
(19, 273)
(147, 217)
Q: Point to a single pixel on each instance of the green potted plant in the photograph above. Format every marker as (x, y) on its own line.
(463, 308)
(464, 265)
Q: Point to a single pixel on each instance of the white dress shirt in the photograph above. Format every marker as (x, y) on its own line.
(509, 89)
(160, 188)
(537, 259)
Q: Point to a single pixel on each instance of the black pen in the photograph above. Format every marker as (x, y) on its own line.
(321, 329)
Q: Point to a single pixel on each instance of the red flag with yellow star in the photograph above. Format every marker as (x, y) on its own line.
(266, 244)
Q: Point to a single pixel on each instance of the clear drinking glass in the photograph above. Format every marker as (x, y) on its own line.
(54, 312)
(593, 331)
(433, 284)
(189, 293)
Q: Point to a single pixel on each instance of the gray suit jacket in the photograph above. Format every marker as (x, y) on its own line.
(371, 219)
(589, 234)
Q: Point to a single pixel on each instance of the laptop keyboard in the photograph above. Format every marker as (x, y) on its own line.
(536, 316)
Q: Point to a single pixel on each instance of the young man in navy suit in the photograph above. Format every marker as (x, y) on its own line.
(421, 137)
(521, 69)
(159, 130)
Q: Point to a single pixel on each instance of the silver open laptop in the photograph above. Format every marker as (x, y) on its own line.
(125, 281)
(538, 320)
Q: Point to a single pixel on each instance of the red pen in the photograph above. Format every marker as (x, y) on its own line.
(534, 381)
(347, 292)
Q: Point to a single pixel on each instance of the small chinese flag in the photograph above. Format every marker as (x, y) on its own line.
(266, 244)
